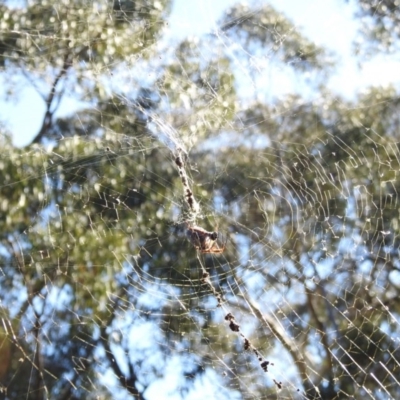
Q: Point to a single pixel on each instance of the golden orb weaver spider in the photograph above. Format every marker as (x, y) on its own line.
(204, 241)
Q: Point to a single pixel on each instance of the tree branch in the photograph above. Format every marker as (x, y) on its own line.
(47, 120)
(128, 382)
(324, 338)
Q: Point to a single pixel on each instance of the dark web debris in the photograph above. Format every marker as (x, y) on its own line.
(205, 277)
(235, 327)
(264, 365)
(189, 197)
(178, 161)
(278, 384)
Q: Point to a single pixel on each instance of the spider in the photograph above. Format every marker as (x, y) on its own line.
(203, 240)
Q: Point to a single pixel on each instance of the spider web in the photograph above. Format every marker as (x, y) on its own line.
(104, 294)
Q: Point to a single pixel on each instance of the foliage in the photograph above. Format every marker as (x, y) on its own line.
(101, 296)
(380, 25)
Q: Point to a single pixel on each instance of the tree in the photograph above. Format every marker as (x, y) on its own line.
(103, 297)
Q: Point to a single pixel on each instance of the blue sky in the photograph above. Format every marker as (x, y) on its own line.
(329, 23)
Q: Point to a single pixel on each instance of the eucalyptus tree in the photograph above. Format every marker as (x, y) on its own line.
(102, 295)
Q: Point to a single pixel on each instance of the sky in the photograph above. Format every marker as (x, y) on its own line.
(329, 23)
